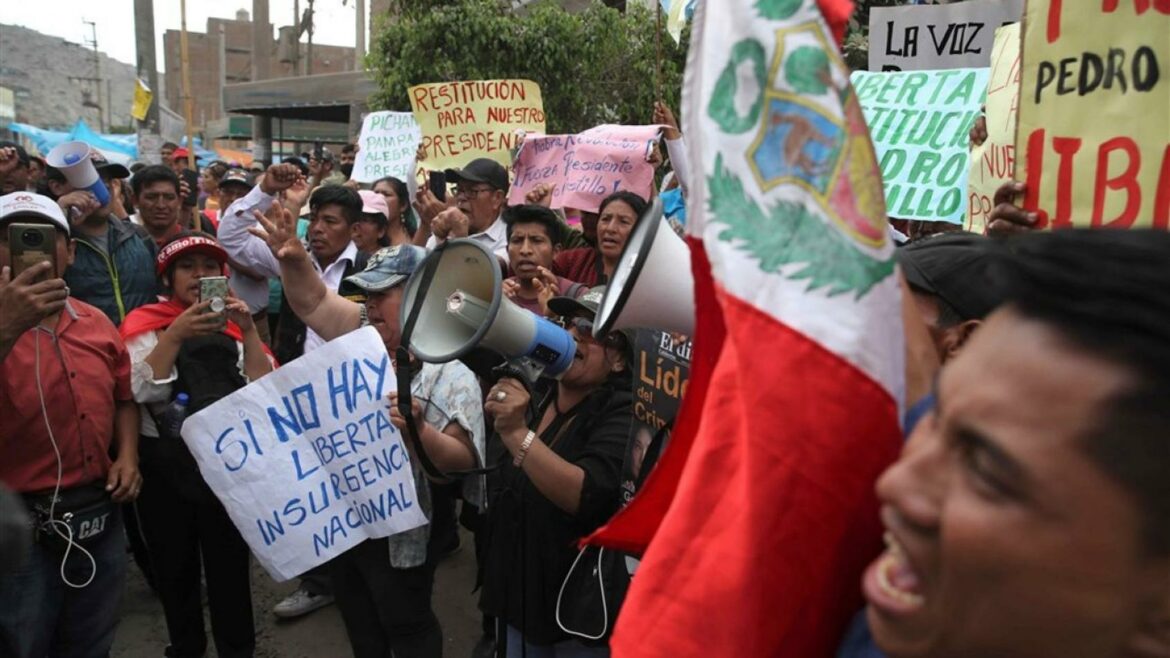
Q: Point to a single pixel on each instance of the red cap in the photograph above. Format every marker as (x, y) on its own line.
(193, 243)
(180, 152)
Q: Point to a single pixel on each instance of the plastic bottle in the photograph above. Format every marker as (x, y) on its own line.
(171, 420)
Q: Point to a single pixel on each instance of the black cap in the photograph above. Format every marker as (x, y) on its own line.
(236, 176)
(108, 169)
(481, 170)
(955, 267)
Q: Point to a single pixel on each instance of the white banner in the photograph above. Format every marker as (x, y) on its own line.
(306, 460)
(924, 37)
(387, 147)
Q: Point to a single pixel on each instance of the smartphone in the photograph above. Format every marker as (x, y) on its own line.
(438, 185)
(29, 244)
(215, 288)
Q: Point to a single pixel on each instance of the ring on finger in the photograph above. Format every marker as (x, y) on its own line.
(501, 396)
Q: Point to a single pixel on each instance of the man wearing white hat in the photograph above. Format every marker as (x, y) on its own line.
(65, 400)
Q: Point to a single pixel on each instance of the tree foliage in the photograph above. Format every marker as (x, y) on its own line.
(596, 66)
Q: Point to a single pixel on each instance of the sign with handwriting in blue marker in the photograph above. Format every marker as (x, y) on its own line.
(306, 460)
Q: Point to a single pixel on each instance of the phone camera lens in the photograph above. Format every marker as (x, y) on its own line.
(32, 238)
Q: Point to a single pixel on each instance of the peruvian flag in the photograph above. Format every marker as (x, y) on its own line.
(761, 516)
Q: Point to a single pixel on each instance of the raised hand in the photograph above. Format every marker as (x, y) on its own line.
(540, 195)
(450, 224)
(664, 116)
(197, 320)
(279, 178)
(24, 301)
(279, 231)
(1006, 217)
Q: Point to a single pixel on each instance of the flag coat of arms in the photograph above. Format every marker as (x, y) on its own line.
(760, 518)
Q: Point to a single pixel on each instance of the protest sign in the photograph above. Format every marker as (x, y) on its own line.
(920, 122)
(993, 162)
(584, 169)
(926, 37)
(1093, 140)
(462, 121)
(387, 146)
(663, 367)
(305, 459)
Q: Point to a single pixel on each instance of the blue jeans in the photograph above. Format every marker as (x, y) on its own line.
(566, 649)
(42, 616)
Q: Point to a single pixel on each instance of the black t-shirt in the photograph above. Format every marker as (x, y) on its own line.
(532, 542)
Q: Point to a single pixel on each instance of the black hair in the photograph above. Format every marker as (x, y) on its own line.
(292, 159)
(1108, 293)
(349, 200)
(217, 168)
(349, 148)
(399, 188)
(154, 174)
(168, 145)
(532, 214)
(634, 201)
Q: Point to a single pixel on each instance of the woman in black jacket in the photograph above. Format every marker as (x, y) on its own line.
(561, 482)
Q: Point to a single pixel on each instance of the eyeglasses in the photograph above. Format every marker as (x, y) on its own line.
(583, 326)
(463, 191)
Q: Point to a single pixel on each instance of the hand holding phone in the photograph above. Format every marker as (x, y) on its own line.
(215, 290)
(29, 244)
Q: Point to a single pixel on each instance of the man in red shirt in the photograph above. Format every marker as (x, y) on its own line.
(64, 399)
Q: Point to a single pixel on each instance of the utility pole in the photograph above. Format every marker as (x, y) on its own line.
(149, 140)
(261, 56)
(309, 58)
(359, 51)
(297, 71)
(97, 73)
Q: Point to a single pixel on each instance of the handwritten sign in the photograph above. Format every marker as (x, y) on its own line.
(388, 142)
(663, 368)
(584, 169)
(1093, 139)
(305, 459)
(925, 37)
(920, 123)
(462, 121)
(993, 162)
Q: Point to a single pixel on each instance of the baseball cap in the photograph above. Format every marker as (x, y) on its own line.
(32, 204)
(184, 244)
(107, 169)
(388, 267)
(236, 176)
(180, 152)
(374, 204)
(481, 170)
(955, 267)
(589, 302)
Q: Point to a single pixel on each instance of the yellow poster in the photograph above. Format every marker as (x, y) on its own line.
(462, 121)
(993, 162)
(142, 98)
(1093, 136)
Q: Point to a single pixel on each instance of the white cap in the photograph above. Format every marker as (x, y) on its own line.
(31, 203)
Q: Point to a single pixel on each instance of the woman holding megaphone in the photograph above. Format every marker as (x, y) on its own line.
(561, 482)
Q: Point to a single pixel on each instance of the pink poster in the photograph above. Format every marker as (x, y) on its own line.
(584, 169)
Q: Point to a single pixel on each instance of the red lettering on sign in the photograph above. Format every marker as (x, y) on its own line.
(420, 98)
(1127, 181)
(1140, 6)
(1162, 198)
(1066, 148)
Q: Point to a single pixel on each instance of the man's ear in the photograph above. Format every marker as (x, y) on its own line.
(955, 337)
(57, 187)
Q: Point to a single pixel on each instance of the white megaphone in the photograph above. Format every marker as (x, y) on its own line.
(72, 160)
(652, 286)
(463, 307)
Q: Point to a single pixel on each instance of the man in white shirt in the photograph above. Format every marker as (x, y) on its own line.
(333, 210)
(481, 193)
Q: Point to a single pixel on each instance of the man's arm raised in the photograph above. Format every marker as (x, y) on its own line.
(324, 311)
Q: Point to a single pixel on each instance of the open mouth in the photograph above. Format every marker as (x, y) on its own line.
(891, 582)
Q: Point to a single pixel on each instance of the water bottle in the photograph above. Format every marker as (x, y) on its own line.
(171, 420)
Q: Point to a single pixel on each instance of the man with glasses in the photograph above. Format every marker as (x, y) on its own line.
(481, 192)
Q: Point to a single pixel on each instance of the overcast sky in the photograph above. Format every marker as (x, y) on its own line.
(115, 20)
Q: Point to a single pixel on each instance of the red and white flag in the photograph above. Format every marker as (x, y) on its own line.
(761, 516)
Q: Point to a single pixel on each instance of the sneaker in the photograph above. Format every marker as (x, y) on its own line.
(300, 602)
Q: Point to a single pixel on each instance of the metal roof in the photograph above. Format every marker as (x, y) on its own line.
(325, 97)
